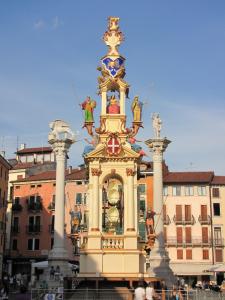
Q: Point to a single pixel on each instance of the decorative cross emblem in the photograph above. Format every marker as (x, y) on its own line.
(113, 146)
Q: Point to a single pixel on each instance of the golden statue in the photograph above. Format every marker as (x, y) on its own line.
(136, 108)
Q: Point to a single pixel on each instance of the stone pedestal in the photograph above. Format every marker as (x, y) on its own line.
(159, 260)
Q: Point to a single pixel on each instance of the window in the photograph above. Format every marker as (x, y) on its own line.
(205, 254)
(217, 236)
(165, 191)
(17, 187)
(17, 201)
(216, 209)
(188, 253)
(14, 244)
(215, 192)
(85, 198)
(78, 198)
(32, 186)
(176, 190)
(52, 242)
(179, 254)
(189, 191)
(79, 182)
(142, 188)
(165, 234)
(33, 244)
(219, 255)
(201, 190)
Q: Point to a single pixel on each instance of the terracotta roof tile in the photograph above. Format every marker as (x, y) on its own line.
(218, 180)
(76, 174)
(188, 177)
(34, 150)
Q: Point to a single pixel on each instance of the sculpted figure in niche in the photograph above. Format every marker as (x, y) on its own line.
(113, 106)
(150, 224)
(136, 108)
(88, 106)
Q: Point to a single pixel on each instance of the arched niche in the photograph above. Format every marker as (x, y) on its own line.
(113, 204)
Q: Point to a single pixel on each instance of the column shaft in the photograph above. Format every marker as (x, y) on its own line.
(95, 204)
(60, 202)
(130, 204)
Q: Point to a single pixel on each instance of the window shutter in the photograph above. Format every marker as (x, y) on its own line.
(179, 235)
(179, 254)
(216, 192)
(164, 212)
(205, 254)
(187, 212)
(188, 253)
(165, 234)
(204, 212)
(205, 236)
(178, 212)
(188, 234)
(219, 255)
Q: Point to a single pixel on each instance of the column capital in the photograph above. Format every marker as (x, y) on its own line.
(60, 148)
(130, 172)
(157, 146)
(95, 172)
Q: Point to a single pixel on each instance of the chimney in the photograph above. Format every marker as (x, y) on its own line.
(70, 169)
(22, 146)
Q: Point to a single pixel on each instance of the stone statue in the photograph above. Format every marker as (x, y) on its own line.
(157, 124)
(88, 106)
(136, 108)
(113, 106)
(150, 224)
(60, 129)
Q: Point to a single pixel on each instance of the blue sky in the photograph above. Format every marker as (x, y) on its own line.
(175, 60)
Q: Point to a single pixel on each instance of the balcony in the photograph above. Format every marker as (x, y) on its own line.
(16, 207)
(112, 242)
(33, 229)
(218, 242)
(194, 242)
(204, 220)
(166, 220)
(15, 229)
(34, 206)
(184, 221)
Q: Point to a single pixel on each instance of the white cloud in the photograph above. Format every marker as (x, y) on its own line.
(39, 24)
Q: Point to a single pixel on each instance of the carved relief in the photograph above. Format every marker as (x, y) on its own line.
(95, 172)
(130, 172)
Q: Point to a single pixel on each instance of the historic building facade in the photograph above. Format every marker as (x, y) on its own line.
(4, 173)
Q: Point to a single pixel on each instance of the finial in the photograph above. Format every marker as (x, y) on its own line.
(113, 37)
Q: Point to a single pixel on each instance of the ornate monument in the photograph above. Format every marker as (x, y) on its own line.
(112, 249)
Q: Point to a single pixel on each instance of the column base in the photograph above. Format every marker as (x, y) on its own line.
(58, 254)
(159, 266)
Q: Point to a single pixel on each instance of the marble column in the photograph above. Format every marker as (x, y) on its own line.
(95, 199)
(130, 197)
(61, 138)
(159, 260)
(122, 101)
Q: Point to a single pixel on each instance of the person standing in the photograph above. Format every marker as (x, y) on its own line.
(150, 292)
(139, 293)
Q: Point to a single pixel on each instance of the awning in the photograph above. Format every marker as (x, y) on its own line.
(44, 264)
(217, 268)
(191, 269)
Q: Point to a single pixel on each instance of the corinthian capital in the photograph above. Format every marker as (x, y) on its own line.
(95, 172)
